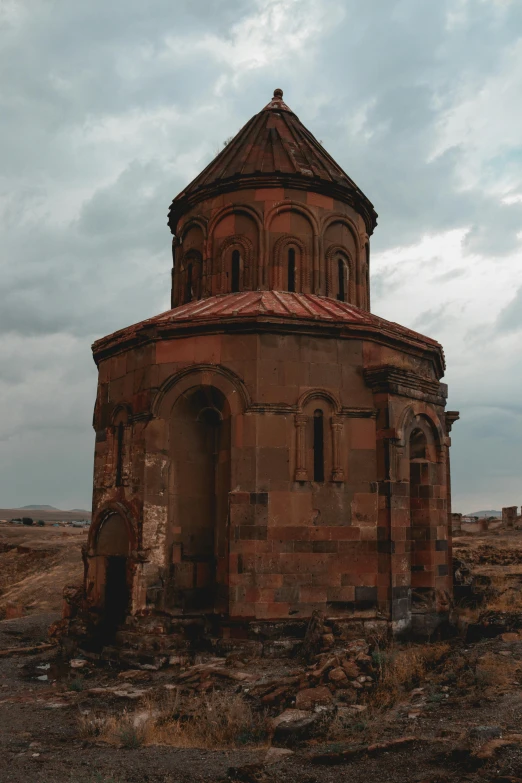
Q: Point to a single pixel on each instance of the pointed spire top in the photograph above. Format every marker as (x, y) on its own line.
(273, 149)
(277, 103)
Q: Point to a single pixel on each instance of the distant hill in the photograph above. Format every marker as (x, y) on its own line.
(47, 513)
(44, 508)
(482, 514)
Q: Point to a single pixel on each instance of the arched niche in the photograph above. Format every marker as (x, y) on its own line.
(215, 375)
(290, 265)
(291, 232)
(339, 230)
(189, 274)
(340, 240)
(340, 274)
(235, 263)
(121, 435)
(319, 435)
(234, 230)
(199, 485)
(190, 277)
(426, 494)
(421, 416)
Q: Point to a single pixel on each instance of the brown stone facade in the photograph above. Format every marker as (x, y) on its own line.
(269, 447)
(263, 228)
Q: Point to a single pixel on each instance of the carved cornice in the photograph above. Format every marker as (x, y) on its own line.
(139, 335)
(451, 417)
(351, 196)
(358, 413)
(406, 383)
(284, 409)
(278, 408)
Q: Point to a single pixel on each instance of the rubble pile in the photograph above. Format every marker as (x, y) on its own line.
(339, 674)
(300, 701)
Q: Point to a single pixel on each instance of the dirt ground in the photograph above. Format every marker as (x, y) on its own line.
(35, 565)
(431, 713)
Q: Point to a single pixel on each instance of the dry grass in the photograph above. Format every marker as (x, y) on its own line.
(213, 720)
(401, 669)
(492, 671)
(503, 597)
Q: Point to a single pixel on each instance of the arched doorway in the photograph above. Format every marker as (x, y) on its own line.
(198, 503)
(112, 553)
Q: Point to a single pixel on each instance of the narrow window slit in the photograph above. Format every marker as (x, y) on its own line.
(318, 446)
(291, 269)
(235, 271)
(341, 275)
(119, 456)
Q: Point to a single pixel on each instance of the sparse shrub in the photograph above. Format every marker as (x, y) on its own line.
(401, 669)
(91, 725)
(213, 720)
(76, 685)
(216, 720)
(130, 736)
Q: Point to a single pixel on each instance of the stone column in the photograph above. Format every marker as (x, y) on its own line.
(337, 431)
(301, 473)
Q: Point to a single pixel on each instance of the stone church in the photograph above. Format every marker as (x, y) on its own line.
(268, 447)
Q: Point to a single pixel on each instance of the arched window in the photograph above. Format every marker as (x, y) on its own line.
(417, 445)
(236, 266)
(291, 269)
(120, 432)
(188, 284)
(318, 445)
(341, 278)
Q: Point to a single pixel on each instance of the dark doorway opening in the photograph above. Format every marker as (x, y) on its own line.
(116, 596)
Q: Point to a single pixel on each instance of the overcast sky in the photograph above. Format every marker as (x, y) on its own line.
(109, 108)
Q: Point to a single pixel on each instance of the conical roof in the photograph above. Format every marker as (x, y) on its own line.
(273, 149)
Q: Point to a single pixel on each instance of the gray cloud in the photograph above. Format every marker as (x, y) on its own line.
(510, 318)
(451, 275)
(109, 109)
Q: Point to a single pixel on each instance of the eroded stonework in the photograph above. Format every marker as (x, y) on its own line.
(268, 447)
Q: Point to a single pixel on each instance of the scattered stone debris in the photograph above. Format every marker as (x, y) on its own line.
(36, 648)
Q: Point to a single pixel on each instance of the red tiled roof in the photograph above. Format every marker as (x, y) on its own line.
(275, 307)
(274, 147)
